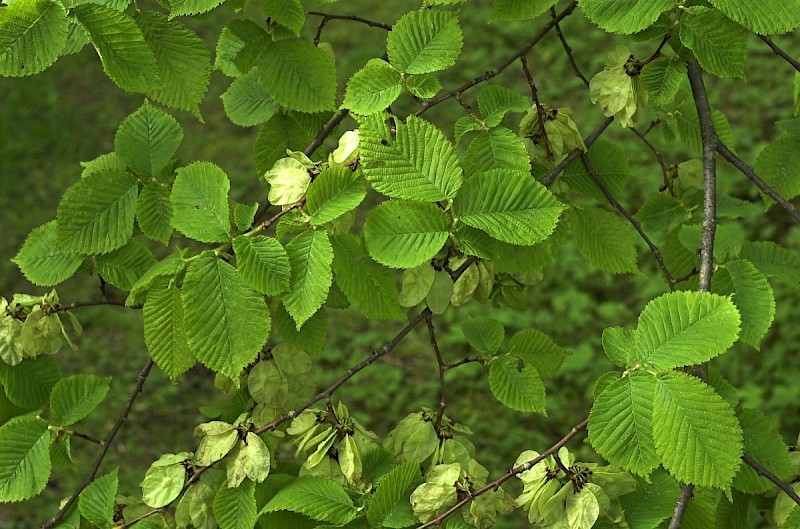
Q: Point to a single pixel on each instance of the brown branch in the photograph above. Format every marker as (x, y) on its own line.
(123, 417)
(779, 52)
(494, 485)
(635, 223)
(567, 48)
(132, 521)
(442, 367)
(753, 177)
(85, 437)
(468, 360)
(539, 113)
(327, 17)
(687, 493)
(574, 153)
(760, 470)
(494, 72)
(326, 130)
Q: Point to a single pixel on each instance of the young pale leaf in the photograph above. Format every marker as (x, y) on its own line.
(698, 438)
(752, 294)
(517, 385)
(389, 503)
(609, 162)
(287, 13)
(424, 41)
(299, 76)
(685, 328)
(42, 261)
(200, 202)
(310, 258)
(147, 139)
(539, 351)
(29, 383)
(318, 498)
(484, 334)
(651, 502)
(280, 133)
(247, 101)
(263, 263)
(762, 442)
(719, 43)
(516, 10)
(252, 461)
(765, 17)
(33, 34)
(96, 214)
(164, 480)
(662, 78)
(497, 148)
(621, 423)
(124, 266)
(605, 240)
(416, 284)
(625, 16)
(165, 331)
(235, 508)
(154, 213)
(373, 88)
(420, 164)
(226, 321)
(334, 192)
(440, 293)
(119, 42)
(773, 260)
(288, 181)
(25, 464)
(96, 502)
(404, 234)
(508, 205)
(74, 397)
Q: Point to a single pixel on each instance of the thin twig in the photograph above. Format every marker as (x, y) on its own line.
(85, 437)
(779, 52)
(123, 416)
(760, 470)
(542, 133)
(468, 360)
(132, 521)
(442, 367)
(567, 48)
(574, 153)
(327, 17)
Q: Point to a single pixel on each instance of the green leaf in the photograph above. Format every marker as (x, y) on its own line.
(517, 386)
(244, 215)
(520, 9)
(496, 101)
(74, 397)
(765, 17)
(318, 498)
(777, 164)
(200, 202)
(762, 442)
(154, 213)
(241, 43)
(191, 7)
(424, 86)
(368, 286)
(538, 350)
(773, 260)
(625, 16)
(42, 261)
(165, 331)
(263, 263)
(605, 240)
(226, 321)
(619, 345)
(334, 192)
(96, 502)
(24, 458)
(310, 258)
(719, 43)
(236, 508)
(497, 148)
(288, 13)
(651, 502)
(33, 34)
(662, 213)
(621, 423)
(299, 76)
(183, 62)
(309, 337)
(508, 205)
(280, 133)
(147, 139)
(420, 164)
(168, 267)
(609, 162)
(119, 42)
(247, 101)
(373, 88)
(424, 41)
(123, 267)
(485, 335)
(752, 294)
(662, 78)
(96, 214)
(685, 328)
(697, 435)
(29, 383)
(404, 234)
(389, 503)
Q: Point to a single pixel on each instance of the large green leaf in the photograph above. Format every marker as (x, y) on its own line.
(154, 213)
(606, 240)
(373, 88)
(263, 262)
(191, 7)
(697, 435)
(609, 162)
(24, 458)
(719, 43)
(390, 501)
(662, 213)
(241, 43)
(183, 62)
(200, 202)
(777, 166)
(74, 397)
(625, 16)
(621, 423)
(235, 508)
(119, 42)
(752, 294)
(538, 350)
(29, 383)
(226, 321)
(520, 9)
(334, 192)
(651, 502)
(773, 260)
(404, 234)
(32, 35)
(420, 164)
(424, 41)
(167, 268)
(247, 101)
(124, 266)
(96, 214)
(495, 101)
(662, 78)
(497, 148)
(42, 261)
(319, 498)
(508, 205)
(517, 385)
(765, 17)
(299, 76)
(310, 257)
(96, 501)
(147, 139)
(165, 331)
(484, 334)
(685, 328)
(762, 442)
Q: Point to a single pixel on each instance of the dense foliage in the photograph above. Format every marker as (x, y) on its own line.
(471, 211)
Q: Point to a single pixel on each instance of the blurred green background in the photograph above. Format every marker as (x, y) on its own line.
(51, 122)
